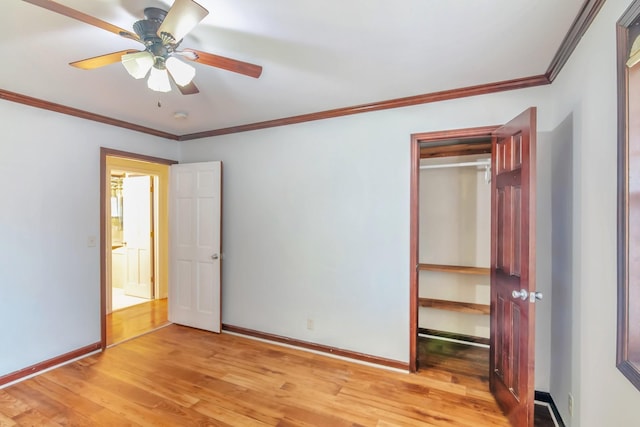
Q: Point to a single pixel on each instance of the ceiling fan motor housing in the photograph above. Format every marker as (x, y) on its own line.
(155, 14)
(147, 30)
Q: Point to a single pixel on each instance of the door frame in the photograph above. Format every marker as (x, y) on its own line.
(466, 134)
(105, 230)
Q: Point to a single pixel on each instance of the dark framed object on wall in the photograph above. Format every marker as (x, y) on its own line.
(628, 76)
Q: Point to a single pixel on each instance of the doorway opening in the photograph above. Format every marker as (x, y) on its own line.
(449, 263)
(134, 244)
(453, 245)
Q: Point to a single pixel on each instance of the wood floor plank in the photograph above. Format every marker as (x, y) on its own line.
(181, 376)
(48, 408)
(10, 406)
(34, 418)
(92, 412)
(6, 421)
(418, 408)
(230, 416)
(132, 405)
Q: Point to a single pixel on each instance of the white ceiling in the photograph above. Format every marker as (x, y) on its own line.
(316, 55)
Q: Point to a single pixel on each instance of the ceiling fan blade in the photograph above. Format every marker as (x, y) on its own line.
(188, 89)
(83, 17)
(183, 16)
(102, 60)
(228, 64)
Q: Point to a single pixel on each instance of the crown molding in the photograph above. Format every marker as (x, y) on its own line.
(70, 111)
(382, 105)
(578, 28)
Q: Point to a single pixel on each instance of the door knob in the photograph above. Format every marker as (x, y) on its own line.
(214, 256)
(522, 294)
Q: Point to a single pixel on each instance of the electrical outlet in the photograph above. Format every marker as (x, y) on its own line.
(570, 404)
(310, 324)
(91, 241)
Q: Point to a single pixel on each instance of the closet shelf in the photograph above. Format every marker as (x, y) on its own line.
(463, 307)
(454, 269)
(454, 335)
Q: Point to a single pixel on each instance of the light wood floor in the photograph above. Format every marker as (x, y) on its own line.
(179, 376)
(467, 365)
(132, 321)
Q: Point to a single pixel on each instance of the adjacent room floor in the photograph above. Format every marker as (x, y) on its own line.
(120, 300)
(136, 320)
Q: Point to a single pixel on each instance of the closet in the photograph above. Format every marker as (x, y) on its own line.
(454, 241)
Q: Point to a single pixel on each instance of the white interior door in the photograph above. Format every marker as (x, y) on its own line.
(194, 258)
(136, 208)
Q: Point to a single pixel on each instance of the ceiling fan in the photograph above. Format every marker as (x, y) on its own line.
(161, 33)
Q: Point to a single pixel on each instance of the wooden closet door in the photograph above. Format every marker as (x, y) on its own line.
(513, 268)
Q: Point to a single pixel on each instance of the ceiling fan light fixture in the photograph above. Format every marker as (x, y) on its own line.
(137, 64)
(159, 80)
(181, 72)
(160, 32)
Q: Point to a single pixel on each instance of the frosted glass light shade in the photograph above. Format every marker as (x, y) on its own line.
(159, 80)
(181, 18)
(181, 72)
(137, 64)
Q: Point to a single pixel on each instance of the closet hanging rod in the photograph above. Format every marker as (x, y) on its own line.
(479, 163)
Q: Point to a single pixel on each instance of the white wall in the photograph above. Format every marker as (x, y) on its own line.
(544, 259)
(316, 222)
(49, 277)
(585, 124)
(559, 170)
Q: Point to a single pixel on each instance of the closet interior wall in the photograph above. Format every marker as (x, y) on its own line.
(454, 247)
